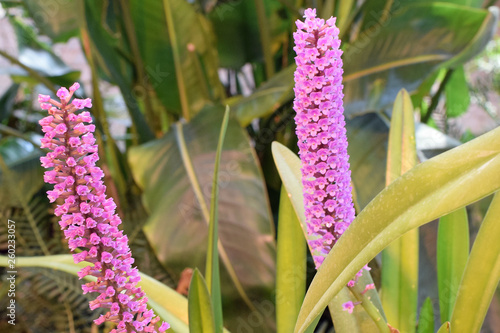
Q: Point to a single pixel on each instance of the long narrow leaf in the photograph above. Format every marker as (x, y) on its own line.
(428, 191)
(290, 266)
(166, 302)
(212, 263)
(481, 275)
(201, 315)
(452, 253)
(400, 259)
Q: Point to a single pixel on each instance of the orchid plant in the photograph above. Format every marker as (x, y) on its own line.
(318, 212)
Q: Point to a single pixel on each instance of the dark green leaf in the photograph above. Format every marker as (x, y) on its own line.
(176, 173)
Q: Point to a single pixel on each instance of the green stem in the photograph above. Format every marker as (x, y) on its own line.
(138, 64)
(370, 309)
(265, 37)
(34, 74)
(177, 60)
(437, 96)
(13, 132)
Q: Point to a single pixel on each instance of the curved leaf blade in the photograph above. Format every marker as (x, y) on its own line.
(400, 259)
(426, 319)
(481, 275)
(166, 302)
(290, 266)
(201, 315)
(434, 185)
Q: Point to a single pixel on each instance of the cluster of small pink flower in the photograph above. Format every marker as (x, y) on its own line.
(88, 217)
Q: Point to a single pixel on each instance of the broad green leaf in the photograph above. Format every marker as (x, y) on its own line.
(417, 38)
(428, 191)
(166, 302)
(290, 266)
(175, 72)
(201, 315)
(25, 171)
(481, 275)
(452, 254)
(400, 259)
(57, 20)
(367, 136)
(343, 321)
(212, 263)
(426, 319)
(237, 30)
(176, 174)
(266, 99)
(457, 93)
(101, 24)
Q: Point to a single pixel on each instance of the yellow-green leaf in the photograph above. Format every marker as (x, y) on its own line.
(481, 275)
(428, 191)
(399, 292)
(201, 315)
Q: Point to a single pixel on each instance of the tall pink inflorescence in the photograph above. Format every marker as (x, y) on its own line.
(321, 134)
(88, 217)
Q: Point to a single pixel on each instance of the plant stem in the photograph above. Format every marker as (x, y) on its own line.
(265, 37)
(139, 65)
(370, 309)
(177, 60)
(436, 97)
(30, 71)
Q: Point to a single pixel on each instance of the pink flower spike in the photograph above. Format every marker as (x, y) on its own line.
(88, 218)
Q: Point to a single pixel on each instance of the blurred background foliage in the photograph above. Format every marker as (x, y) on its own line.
(160, 73)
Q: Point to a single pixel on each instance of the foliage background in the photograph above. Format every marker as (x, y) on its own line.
(160, 73)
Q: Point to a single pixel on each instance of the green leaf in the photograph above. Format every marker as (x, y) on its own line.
(428, 191)
(445, 328)
(166, 302)
(101, 25)
(201, 315)
(415, 39)
(7, 101)
(237, 30)
(175, 173)
(481, 275)
(57, 20)
(25, 171)
(212, 264)
(291, 261)
(400, 259)
(343, 321)
(457, 93)
(452, 254)
(266, 99)
(178, 76)
(426, 319)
